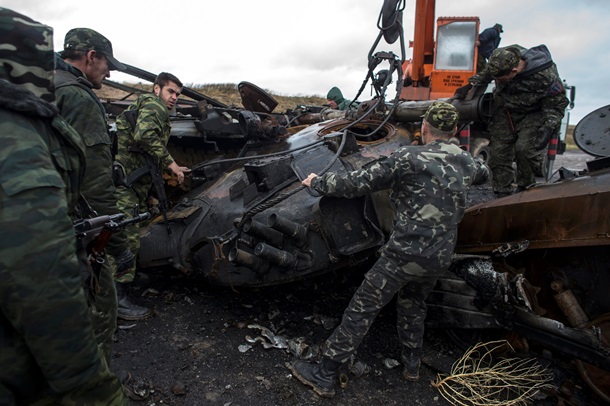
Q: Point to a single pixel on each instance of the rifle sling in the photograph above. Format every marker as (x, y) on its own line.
(135, 175)
(157, 179)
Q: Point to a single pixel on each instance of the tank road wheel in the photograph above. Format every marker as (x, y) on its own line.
(480, 148)
(597, 378)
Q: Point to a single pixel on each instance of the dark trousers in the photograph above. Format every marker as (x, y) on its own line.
(385, 279)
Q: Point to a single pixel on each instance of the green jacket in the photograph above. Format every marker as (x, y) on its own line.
(336, 95)
(151, 133)
(81, 108)
(47, 346)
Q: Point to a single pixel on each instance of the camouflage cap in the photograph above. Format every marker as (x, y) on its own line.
(442, 115)
(26, 54)
(498, 27)
(503, 60)
(86, 39)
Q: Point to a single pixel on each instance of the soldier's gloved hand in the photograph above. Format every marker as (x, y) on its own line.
(544, 135)
(124, 261)
(462, 92)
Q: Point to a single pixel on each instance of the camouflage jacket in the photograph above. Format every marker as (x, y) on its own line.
(428, 188)
(537, 89)
(81, 108)
(151, 133)
(46, 340)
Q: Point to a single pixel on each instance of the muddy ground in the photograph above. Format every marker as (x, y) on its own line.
(197, 349)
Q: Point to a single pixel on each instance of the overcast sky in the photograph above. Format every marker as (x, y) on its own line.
(306, 47)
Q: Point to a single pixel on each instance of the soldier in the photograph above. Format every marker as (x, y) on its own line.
(87, 61)
(143, 132)
(529, 104)
(488, 41)
(48, 350)
(429, 185)
(336, 100)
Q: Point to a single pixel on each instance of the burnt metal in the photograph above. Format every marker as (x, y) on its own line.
(219, 122)
(314, 161)
(269, 173)
(254, 127)
(277, 256)
(256, 99)
(568, 304)
(583, 344)
(505, 307)
(292, 230)
(257, 229)
(454, 304)
(253, 262)
(598, 164)
(211, 171)
(571, 213)
(349, 224)
(481, 276)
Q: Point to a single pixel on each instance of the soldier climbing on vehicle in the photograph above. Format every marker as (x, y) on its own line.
(143, 131)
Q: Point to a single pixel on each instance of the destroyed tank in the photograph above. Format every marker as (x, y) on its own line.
(534, 263)
(247, 221)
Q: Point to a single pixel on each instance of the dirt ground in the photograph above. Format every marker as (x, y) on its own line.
(206, 345)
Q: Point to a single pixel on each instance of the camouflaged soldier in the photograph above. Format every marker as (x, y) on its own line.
(48, 350)
(429, 184)
(529, 104)
(143, 129)
(87, 61)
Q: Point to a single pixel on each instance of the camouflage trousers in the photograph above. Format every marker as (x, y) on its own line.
(24, 382)
(481, 63)
(518, 146)
(386, 279)
(102, 302)
(127, 198)
(103, 389)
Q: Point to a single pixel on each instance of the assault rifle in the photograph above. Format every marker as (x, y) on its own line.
(92, 235)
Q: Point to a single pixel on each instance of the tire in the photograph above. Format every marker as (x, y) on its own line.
(479, 148)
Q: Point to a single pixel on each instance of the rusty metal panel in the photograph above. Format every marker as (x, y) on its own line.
(567, 214)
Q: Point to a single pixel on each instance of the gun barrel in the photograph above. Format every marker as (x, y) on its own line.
(478, 109)
(84, 225)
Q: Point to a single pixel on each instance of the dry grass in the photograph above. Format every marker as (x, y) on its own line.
(570, 144)
(483, 377)
(225, 93)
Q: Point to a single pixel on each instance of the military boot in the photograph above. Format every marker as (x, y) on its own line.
(127, 310)
(411, 359)
(321, 377)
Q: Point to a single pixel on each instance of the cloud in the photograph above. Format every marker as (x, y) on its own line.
(308, 47)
